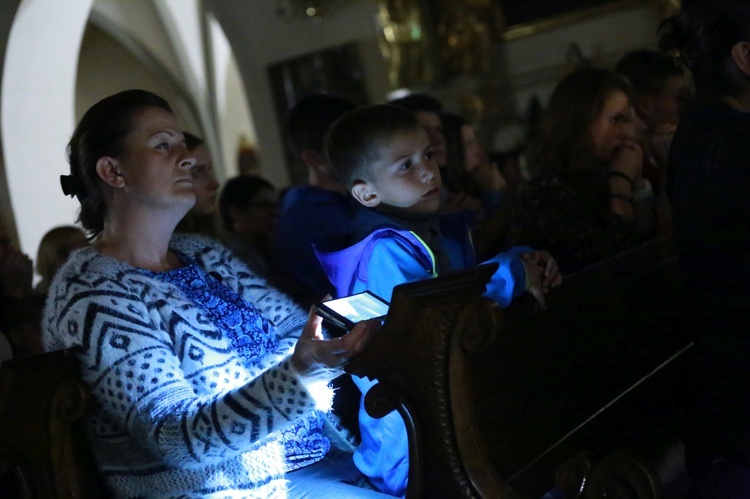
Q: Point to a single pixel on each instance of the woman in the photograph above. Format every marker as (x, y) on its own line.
(709, 181)
(207, 382)
(201, 217)
(474, 183)
(584, 204)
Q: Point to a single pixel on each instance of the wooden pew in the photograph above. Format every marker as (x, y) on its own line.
(43, 448)
(581, 397)
(499, 403)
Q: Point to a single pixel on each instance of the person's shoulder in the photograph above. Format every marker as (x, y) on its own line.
(717, 117)
(307, 198)
(87, 271)
(87, 261)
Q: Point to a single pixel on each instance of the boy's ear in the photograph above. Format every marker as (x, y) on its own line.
(108, 170)
(365, 194)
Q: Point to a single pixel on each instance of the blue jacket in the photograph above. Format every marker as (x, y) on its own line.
(386, 255)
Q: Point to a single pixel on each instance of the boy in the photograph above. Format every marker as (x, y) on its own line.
(660, 93)
(384, 156)
(316, 212)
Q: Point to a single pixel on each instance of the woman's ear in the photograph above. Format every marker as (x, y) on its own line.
(365, 194)
(109, 171)
(741, 57)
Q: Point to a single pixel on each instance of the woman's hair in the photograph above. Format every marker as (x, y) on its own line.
(455, 177)
(702, 34)
(576, 102)
(101, 132)
(55, 248)
(454, 143)
(239, 192)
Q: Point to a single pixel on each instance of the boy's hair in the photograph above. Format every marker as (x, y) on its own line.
(354, 142)
(309, 120)
(648, 70)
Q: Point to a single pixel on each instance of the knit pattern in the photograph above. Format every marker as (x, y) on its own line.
(179, 411)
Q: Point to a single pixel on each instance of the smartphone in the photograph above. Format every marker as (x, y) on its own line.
(344, 313)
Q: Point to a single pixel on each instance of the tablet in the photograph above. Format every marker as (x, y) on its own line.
(345, 312)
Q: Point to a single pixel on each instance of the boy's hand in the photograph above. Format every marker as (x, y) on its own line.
(541, 273)
(551, 277)
(317, 359)
(534, 282)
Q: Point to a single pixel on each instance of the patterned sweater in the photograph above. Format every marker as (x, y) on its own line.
(179, 412)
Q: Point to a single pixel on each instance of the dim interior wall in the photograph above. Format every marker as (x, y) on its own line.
(260, 38)
(99, 76)
(38, 89)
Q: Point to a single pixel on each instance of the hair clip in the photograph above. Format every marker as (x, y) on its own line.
(68, 184)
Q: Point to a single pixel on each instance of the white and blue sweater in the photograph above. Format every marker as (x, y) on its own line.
(178, 411)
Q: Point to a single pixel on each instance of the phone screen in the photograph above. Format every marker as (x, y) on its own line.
(347, 311)
(359, 307)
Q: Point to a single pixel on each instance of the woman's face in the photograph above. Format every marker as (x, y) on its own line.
(205, 184)
(616, 125)
(474, 155)
(155, 165)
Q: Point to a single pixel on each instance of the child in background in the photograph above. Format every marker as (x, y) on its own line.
(384, 156)
(54, 250)
(201, 219)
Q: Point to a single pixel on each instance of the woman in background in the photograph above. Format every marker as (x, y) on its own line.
(585, 203)
(471, 176)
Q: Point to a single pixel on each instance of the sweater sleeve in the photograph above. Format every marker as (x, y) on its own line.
(162, 375)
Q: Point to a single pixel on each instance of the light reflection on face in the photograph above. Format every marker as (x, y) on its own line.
(615, 125)
(407, 178)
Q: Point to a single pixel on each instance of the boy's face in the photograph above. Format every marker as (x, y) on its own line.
(666, 107)
(405, 178)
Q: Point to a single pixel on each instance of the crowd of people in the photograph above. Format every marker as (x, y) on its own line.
(190, 302)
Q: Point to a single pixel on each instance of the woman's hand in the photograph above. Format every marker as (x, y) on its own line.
(488, 177)
(317, 359)
(628, 159)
